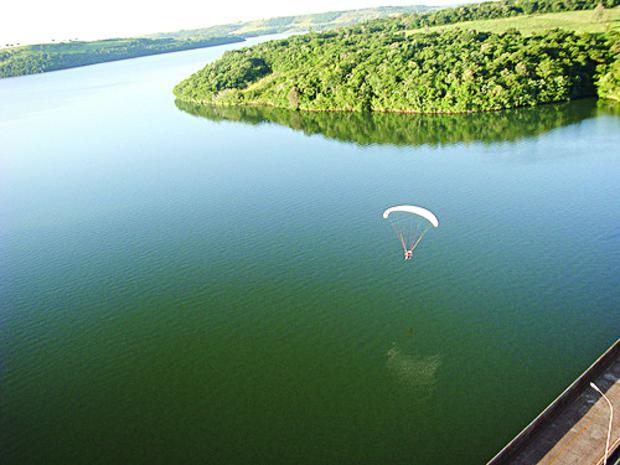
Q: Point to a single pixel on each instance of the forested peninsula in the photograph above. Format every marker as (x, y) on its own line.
(31, 59)
(400, 65)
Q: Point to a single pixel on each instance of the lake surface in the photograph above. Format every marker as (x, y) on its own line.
(187, 285)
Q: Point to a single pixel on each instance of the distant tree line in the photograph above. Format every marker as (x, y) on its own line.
(50, 57)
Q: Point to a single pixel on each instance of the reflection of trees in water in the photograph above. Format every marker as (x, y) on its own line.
(405, 129)
(412, 370)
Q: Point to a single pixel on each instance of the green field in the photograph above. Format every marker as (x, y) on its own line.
(578, 21)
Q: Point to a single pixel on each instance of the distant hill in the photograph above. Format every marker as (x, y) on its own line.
(315, 22)
(31, 59)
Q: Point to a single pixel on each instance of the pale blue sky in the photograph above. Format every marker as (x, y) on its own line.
(29, 21)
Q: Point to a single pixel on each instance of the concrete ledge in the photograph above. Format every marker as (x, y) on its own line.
(572, 398)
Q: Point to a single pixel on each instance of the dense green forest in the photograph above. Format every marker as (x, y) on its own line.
(367, 128)
(449, 72)
(30, 59)
(378, 67)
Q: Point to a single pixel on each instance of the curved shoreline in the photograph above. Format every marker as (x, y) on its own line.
(351, 110)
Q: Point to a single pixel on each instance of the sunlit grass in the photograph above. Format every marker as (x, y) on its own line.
(579, 21)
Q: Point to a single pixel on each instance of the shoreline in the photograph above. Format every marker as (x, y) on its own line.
(394, 111)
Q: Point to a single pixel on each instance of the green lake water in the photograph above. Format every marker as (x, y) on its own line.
(184, 285)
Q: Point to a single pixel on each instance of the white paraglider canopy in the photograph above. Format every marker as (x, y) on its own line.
(423, 212)
(410, 223)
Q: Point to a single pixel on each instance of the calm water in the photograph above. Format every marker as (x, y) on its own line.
(185, 285)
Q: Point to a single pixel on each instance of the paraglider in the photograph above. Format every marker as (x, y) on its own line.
(410, 223)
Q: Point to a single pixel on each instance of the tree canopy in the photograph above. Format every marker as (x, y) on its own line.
(379, 69)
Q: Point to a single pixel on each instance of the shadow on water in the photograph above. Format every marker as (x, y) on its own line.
(412, 370)
(408, 130)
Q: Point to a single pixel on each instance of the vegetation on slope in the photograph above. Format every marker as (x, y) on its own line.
(609, 83)
(378, 67)
(450, 72)
(609, 87)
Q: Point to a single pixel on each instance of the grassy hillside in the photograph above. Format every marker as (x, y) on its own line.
(578, 21)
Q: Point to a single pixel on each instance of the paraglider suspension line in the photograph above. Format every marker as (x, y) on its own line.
(412, 239)
(417, 242)
(400, 236)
